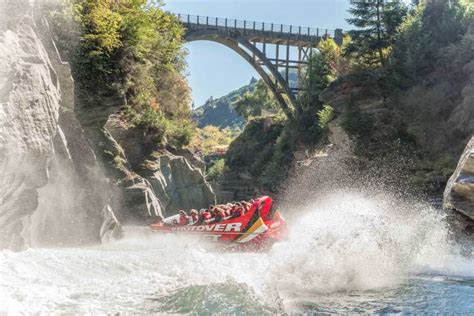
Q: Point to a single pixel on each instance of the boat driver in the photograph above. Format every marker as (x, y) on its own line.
(183, 218)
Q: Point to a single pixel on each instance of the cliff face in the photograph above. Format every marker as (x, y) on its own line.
(54, 151)
(459, 194)
(148, 179)
(51, 188)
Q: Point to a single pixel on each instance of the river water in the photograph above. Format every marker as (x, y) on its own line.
(346, 253)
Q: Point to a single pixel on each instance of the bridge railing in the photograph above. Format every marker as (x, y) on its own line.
(282, 29)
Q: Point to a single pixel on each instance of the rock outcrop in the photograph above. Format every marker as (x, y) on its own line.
(52, 191)
(150, 180)
(459, 194)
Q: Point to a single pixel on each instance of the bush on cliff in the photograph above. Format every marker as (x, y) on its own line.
(131, 51)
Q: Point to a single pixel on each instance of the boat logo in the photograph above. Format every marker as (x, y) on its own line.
(233, 227)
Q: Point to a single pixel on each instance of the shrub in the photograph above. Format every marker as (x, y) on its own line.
(216, 170)
(180, 133)
(356, 123)
(154, 123)
(325, 116)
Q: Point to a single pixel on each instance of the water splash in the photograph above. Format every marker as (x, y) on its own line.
(345, 244)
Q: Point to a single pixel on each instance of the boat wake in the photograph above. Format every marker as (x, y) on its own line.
(341, 244)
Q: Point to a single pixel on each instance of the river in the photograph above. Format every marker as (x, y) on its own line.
(348, 253)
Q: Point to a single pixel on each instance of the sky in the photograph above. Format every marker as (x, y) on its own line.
(215, 70)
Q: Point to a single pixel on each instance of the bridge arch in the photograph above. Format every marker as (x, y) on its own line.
(277, 84)
(242, 37)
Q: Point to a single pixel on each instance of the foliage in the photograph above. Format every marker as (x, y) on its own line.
(216, 170)
(253, 149)
(257, 102)
(129, 50)
(409, 52)
(220, 112)
(207, 139)
(180, 133)
(177, 133)
(377, 23)
(425, 31)
(326, 115)
(326, 64)
(356, 123)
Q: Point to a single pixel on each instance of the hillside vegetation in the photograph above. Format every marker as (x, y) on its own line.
(220, 112)
(401, 86)
(128, 52)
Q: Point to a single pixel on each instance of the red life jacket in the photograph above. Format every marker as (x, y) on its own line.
(238, 212)
(206, 215)
(220, 215)
(183, 220)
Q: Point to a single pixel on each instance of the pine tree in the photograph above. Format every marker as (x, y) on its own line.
(377, 22)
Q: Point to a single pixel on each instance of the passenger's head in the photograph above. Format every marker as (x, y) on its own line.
(182, 212)
(193, 211)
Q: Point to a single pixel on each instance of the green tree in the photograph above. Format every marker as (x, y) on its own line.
(427, 29)
(325, 65)
(256, 102)
(376, 25)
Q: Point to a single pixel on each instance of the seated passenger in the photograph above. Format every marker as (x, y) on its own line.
(204, 216)
(183, 218)
(219, 214)
(194, 216)
(238, 211)
(246, 206)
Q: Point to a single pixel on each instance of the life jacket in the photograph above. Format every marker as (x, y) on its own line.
(206, 215)
(228, 212)
(194, 217)
(220, 215)
(238, 212)
(183, 220)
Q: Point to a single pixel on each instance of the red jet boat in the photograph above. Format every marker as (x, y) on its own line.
(257, 229)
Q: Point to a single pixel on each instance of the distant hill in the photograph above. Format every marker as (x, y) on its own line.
(220, 112)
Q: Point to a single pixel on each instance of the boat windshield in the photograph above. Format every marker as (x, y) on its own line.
(171, 220)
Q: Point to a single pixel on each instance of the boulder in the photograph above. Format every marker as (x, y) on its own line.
(459, 193)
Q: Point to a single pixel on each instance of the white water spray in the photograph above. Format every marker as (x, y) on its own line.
(345, 243)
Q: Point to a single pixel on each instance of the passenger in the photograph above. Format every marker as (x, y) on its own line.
(246, 206)
(183, 218)
(194, 216)
(219, 214)
(238, 211)
(207, 215)
(204, 216)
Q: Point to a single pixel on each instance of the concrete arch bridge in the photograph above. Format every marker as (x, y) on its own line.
(251, 41)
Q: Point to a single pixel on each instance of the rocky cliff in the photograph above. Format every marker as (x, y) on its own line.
(459, 194)
(51, 188)
(68, 170)
(148, 179)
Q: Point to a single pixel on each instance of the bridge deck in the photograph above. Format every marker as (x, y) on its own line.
(259, 32)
